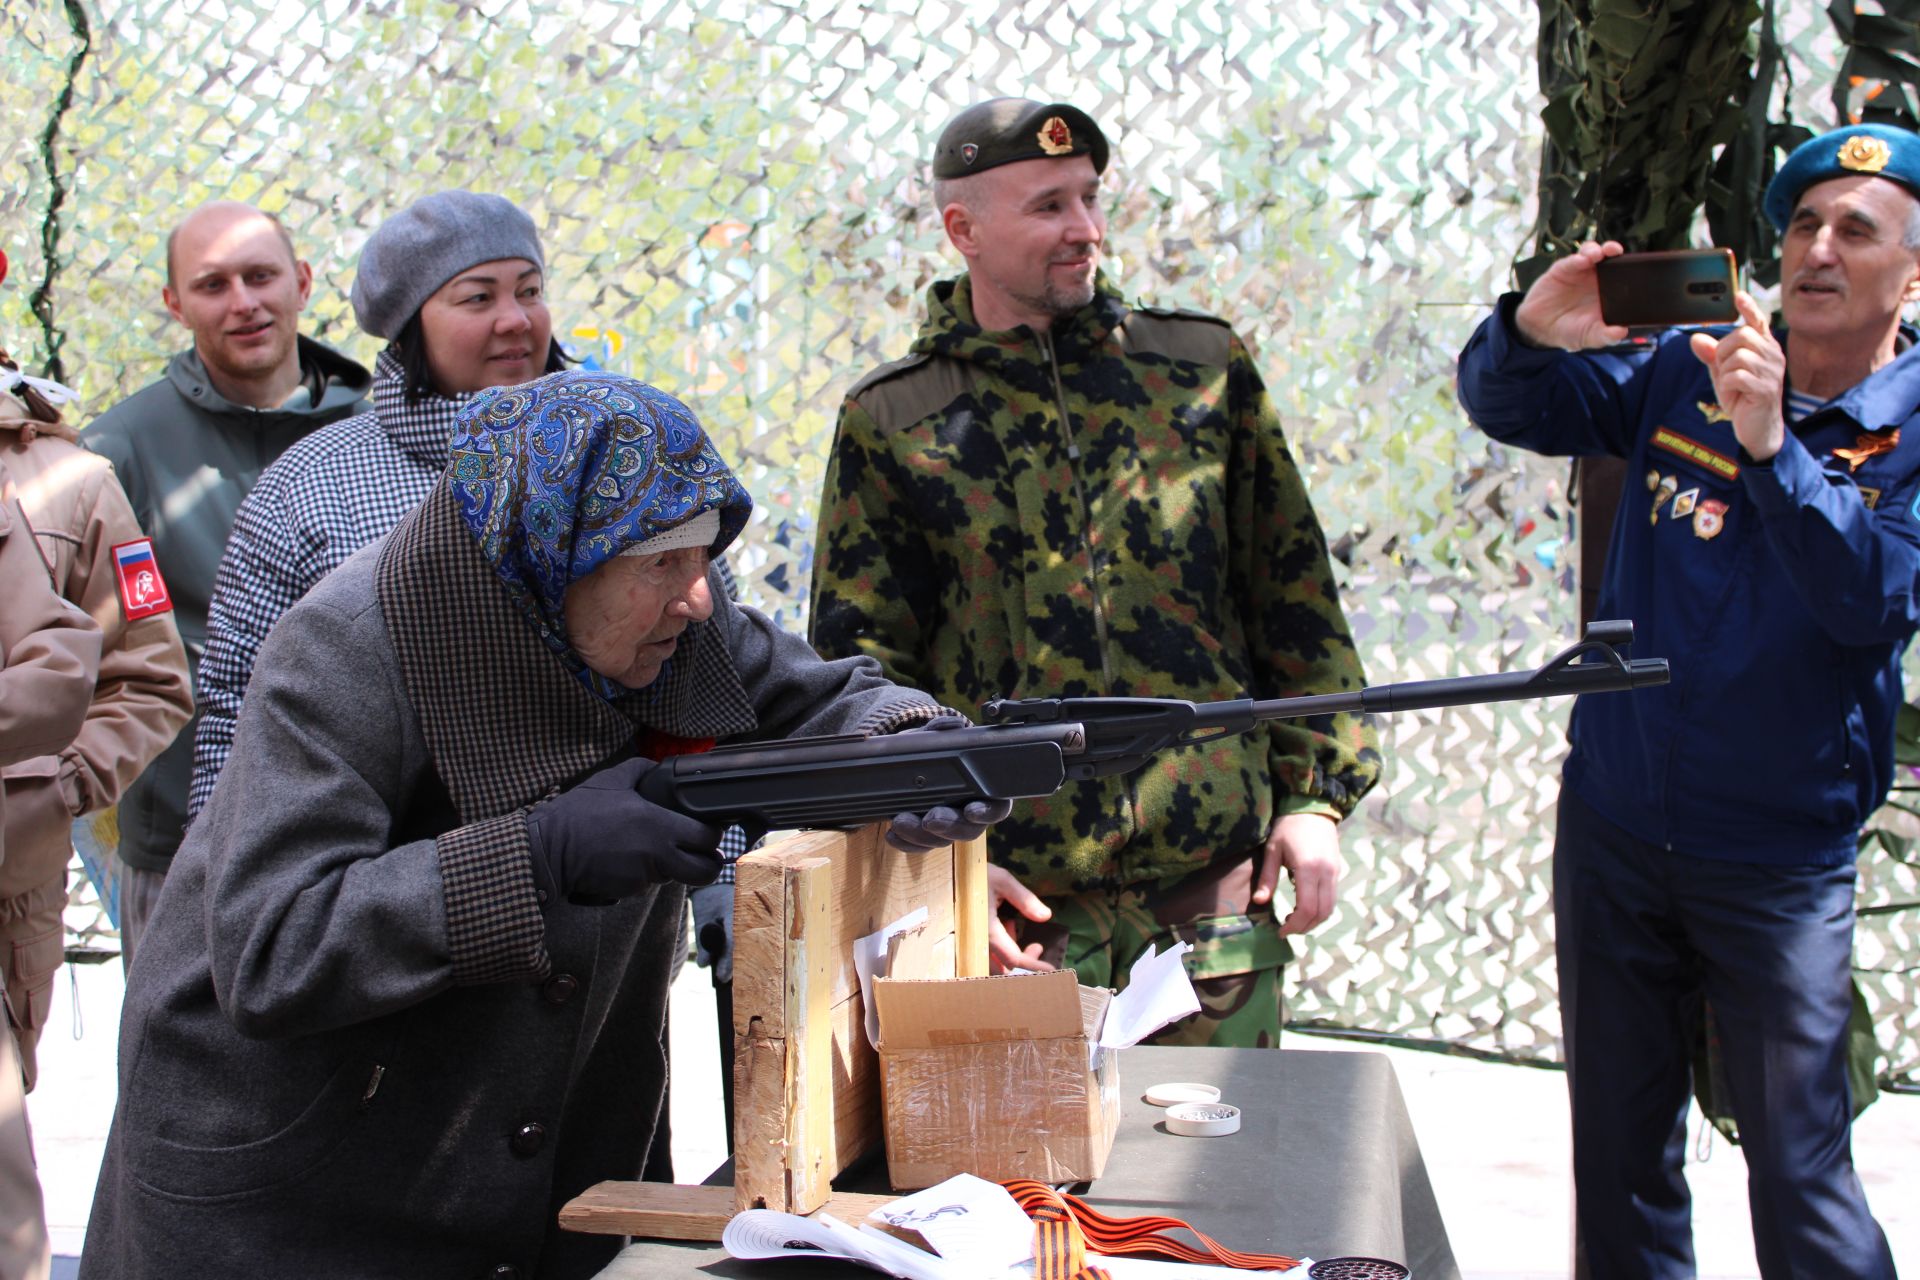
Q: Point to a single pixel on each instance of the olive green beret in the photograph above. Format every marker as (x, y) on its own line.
(1003, 130)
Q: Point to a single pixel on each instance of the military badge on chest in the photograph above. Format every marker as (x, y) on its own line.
(1664, 487)
(1709, 518)
(1709, 514)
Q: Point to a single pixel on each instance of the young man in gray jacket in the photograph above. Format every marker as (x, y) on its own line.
(189, 448)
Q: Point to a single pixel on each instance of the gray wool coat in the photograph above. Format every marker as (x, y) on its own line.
(354, 1043)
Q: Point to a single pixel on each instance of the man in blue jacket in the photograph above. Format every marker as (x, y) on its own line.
(1708, 829)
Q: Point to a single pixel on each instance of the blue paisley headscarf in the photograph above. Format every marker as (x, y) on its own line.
(558, 476)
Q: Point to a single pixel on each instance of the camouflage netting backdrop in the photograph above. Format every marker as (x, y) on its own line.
(735, 207)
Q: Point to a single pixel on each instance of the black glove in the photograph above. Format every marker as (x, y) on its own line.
(602, 840)
(941, 826)
(919, 832)
(713, 929)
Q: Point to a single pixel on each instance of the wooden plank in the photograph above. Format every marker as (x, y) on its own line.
(759, 1122)
(809, 1150)
(970, 911)
(663, 1211)
(759, 1029)
(759, 947)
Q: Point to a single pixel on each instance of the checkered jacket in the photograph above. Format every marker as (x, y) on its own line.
(339, 489)
(334, 492)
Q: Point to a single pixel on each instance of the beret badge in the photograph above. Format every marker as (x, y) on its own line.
(1863, 153)
(1054, 137)
(969, 152)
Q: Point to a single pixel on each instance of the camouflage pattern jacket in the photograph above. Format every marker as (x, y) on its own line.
(1106, 508)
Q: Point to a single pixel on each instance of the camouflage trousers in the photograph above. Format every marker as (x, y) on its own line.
(1235, 964)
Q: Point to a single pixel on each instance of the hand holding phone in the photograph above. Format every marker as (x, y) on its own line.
(1669, 288)
(1561, 310)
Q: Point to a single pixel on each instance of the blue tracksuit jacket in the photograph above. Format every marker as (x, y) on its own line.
(1783, 594)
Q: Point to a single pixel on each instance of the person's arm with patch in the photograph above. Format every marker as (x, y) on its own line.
(258, 581)
(1300, 644)
(143, 697)
(875, 592)
(1857, 569)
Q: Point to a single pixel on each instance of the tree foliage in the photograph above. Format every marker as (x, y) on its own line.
(1640, 95)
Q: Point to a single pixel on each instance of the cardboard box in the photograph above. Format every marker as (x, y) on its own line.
(999, 1077)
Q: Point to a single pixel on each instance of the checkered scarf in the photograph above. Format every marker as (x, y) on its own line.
(559, 476)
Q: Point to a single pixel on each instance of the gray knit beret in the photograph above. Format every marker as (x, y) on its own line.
(427, 244)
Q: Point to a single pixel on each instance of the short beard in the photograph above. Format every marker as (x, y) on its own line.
(1057, 302)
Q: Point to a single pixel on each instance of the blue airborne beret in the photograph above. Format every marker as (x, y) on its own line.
(1878, 149)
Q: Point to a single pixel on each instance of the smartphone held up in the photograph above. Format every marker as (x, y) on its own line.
(1664, 289)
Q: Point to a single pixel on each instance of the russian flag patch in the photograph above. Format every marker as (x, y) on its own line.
(143, 592)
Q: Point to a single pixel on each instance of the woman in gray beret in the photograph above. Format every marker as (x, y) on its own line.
(456, 283)
(403, 995)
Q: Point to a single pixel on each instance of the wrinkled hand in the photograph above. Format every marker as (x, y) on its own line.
(602, 841)
(1749, 373)
(1003, 951)
(1562, 309)
(942, 825)
(1307, 845)
(713, 929)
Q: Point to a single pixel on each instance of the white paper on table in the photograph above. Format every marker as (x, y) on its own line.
(1157, 992)
(870, 957)
(768, 1233)
(968, 1221)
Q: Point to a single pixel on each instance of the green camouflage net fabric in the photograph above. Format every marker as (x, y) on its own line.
(735, 206)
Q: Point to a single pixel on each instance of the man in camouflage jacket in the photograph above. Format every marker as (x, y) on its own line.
(1058, 494)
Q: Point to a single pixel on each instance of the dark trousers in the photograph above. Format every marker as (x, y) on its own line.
(1643, 935)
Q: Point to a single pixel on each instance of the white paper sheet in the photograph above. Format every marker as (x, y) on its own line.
(767, 1233)
(870, 957)
(1157, 992)
(967, 1220)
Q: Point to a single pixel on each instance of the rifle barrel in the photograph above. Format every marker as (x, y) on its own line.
(1510, 686)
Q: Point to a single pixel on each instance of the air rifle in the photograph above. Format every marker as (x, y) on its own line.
(1031, 746)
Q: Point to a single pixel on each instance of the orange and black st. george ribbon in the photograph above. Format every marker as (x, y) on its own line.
(1066, 1227)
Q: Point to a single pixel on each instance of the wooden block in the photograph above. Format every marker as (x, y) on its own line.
(759, 944)
(809, 998)
(663, 1211)
(783, 1083)
(759, 1122)
(781, 1137)
(759, 1027)
(970, 908)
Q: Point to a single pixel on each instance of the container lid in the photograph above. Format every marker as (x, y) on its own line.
(1165, 1095)
(1203, 1119)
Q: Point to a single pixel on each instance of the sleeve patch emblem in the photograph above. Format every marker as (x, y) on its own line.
(143, 592)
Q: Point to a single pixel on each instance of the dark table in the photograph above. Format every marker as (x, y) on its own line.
(1325, 1164)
